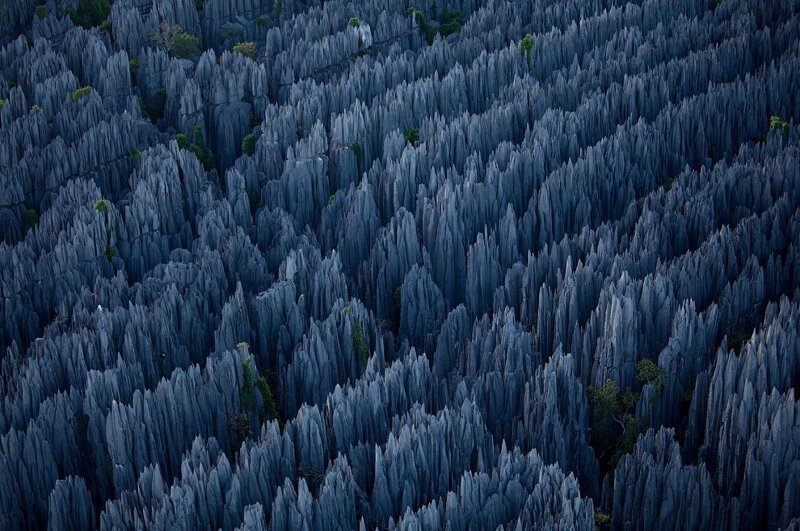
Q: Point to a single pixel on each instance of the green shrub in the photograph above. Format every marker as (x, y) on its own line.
(101, 206)
(614, 427)
(451, 22)
(737, 341)
(356, 147)
(248, 49)
(526, 46)
(270, 408)
(80, 93)
(107, 26)
(29, 219)
(197, 146)
(249, 144)
(36, 109)
(136, 154)
(228, 33)
(354, 22)
(334, 196)
(428, 29)
(649, 372)
(133, 66)
(602, 521)
(185, 46)
(411, 136)
(238, 430)
(246, 392)
(174, 40)
(41, 11)
(360, 346)
(90, 13)
(110, 253)
(261, 21)
(157, 103)
(2, 102)
(777, 124)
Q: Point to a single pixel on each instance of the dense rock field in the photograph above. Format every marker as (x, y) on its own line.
(400, 265)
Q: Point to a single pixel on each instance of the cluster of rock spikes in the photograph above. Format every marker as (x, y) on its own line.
(400, 265)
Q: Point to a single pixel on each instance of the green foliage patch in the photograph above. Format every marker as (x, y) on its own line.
(614, 426)
(411, 136)
(80, 93)
(157, 103)
(777, 124)
(451, 22)
(185, 46)
(101, 206)
(90, 13)
(29, 219)
(526, 46)
(737, 341)
(249, 144)
(360, 345)
(649, 372)
(334, 196)
(247, 49)
(357, 151)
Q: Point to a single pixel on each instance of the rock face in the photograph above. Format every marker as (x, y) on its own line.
(373, 265)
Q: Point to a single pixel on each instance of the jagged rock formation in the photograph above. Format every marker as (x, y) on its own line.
(414, 265)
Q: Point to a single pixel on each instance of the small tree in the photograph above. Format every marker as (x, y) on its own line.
(360, 345)
(334, 196)
(164, 35)
(133, 66)
(174, 40)
(526, 46)
(411, 136)
(649, 372)
(29, 219)
(614, 427)
(357, 151)
(354, 22)
(247, 49)
(249, 144)
(428, 29)
(183, 143)
(80, 93)
(199, 148)
(41, 11)
(101, 206)
(777, 124)
(451, 22)
(270, 408)
(157, 104)
(186, 45)
(90, 13)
